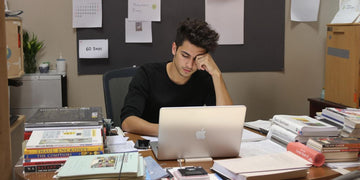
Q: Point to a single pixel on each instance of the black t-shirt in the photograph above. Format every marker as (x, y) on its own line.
(151, 89)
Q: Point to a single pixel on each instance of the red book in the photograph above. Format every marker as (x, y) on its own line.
(27, 135)
(311, 155)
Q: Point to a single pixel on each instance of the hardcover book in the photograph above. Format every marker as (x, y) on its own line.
(270, 166)
(56, 155)
(64, 116)
(285, 136)
(63, 149)
(349, 116)
(305, 125)
(334, 142)
(65, 138)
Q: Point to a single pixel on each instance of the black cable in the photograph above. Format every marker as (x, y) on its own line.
(122, 162)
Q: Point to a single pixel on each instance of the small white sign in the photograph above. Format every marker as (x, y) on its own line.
(94, 49)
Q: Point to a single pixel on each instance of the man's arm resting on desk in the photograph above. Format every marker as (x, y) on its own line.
(137, 125)
(221, 93)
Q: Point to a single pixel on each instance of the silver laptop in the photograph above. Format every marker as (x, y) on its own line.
(199, 132)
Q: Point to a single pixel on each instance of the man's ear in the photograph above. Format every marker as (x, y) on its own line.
(173, 48)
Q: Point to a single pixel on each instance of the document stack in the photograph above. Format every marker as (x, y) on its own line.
(285, 165)
(336, 149)
(63, 118)
(296, 128)
(47, 150)
(349, 118)
(105, 166)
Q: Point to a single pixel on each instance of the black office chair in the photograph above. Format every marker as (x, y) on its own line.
(115, 84)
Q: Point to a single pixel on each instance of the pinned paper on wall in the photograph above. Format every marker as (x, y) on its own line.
(87, 13)
(138, 31)
(144, 10)
(349, 11)
(94, 49)
(227, 18)
(305, 10)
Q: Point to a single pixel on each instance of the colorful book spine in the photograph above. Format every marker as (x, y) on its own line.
(42, 168)
(56, 155)
(63, 149)
(31, 162)
(342, 150)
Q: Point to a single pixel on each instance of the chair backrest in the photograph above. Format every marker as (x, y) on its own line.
(115, 84)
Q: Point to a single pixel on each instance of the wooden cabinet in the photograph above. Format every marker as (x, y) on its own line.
(17, 139)
(318, 104)
(14, 48)
(5, 150)
(342, 64)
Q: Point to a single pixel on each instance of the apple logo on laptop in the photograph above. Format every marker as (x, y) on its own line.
(201, 134)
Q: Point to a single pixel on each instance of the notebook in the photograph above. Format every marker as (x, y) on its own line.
(199, 132)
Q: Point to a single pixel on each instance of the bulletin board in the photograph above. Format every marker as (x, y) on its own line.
(263, 48)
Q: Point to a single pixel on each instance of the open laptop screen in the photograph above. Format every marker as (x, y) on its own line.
(200, 132)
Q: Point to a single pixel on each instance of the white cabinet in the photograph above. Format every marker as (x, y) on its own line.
(39, 90)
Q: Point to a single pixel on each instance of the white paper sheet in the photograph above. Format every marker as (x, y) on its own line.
(305, 10)
(87, 13)
(227, 18)
(144, 10)
(111, 140)
(248, 136)
(257, 148)
(348, 12)
(127, 146)
(138, 31)
(335, 165)
(94, 48)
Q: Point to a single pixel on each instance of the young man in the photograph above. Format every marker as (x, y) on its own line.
(192, 78)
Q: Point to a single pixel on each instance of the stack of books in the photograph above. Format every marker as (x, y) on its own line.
(336, 149)
(105, 166)
(296, 128)
(63, 118)
(348, 118)
(47, 150)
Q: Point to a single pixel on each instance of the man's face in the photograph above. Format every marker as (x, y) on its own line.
(184, 58)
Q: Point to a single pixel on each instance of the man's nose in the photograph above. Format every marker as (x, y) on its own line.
(190, 63)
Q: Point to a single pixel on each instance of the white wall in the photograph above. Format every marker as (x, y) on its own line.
(264, 93)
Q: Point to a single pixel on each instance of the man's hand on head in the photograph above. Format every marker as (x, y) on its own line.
(206, 63)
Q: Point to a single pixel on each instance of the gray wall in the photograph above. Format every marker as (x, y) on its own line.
(264, 93)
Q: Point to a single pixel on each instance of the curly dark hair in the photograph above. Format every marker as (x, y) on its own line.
(198, 33)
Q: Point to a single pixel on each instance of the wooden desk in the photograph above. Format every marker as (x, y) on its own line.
(318, 104)
(314, 172)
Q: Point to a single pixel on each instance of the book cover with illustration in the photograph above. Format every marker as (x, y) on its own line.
(65, 138)
(102, 166)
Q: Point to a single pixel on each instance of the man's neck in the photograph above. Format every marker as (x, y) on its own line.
(174, 74)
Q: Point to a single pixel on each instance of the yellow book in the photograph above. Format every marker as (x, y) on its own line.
(64, 149)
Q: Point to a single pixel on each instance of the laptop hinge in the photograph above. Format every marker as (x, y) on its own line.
(203, 159)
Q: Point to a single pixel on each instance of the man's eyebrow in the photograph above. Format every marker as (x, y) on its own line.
(185, 53)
